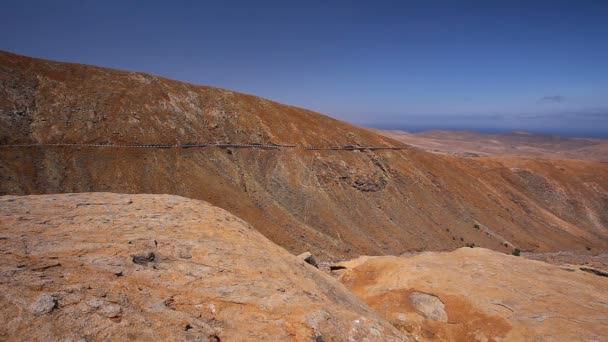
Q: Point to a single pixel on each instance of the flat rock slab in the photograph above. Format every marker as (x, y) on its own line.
(110, 267)
(474, 294)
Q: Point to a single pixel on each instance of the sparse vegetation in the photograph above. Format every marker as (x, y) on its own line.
(516, 252)
(476, 226)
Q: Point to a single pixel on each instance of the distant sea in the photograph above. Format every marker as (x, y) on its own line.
(599, 133)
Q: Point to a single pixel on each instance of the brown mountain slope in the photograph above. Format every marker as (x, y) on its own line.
(111, 267)
(519, 144)
(333, 203)
(473, 294)
(44, 101)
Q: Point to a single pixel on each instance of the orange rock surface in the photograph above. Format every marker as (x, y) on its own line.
(474, 294)
(111, 267)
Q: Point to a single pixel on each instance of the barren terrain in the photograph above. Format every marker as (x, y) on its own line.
(333, 203)
(521, 144)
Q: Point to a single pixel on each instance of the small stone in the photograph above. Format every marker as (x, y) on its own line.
(184, 255)
(144, 259)
(44, 304)
(170, 303)
(429, 306)
(375, 332)
(308, 258)
(109, 310)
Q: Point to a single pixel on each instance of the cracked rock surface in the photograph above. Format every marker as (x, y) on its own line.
(102, 266)
(474, 294)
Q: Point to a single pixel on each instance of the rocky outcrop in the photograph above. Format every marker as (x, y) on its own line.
(110, 267)
(474, 294)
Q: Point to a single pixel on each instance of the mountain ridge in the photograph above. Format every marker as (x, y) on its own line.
(141, 95)
(336, 204)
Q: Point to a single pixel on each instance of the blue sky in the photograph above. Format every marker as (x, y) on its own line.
(479, 65)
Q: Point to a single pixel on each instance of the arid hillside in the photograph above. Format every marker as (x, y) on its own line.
(519, 144)
(112, 267)
(473, 294)
(334, 203)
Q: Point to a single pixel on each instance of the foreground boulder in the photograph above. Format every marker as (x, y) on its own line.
(474, 294)
(103, 266)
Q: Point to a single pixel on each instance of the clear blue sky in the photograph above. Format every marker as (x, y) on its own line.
(479, 65)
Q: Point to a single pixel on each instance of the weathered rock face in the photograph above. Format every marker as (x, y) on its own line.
(335, 204)
(474, 294)
(158, 267)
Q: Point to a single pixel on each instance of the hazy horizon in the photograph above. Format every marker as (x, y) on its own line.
(599, 134)
(496, 124)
